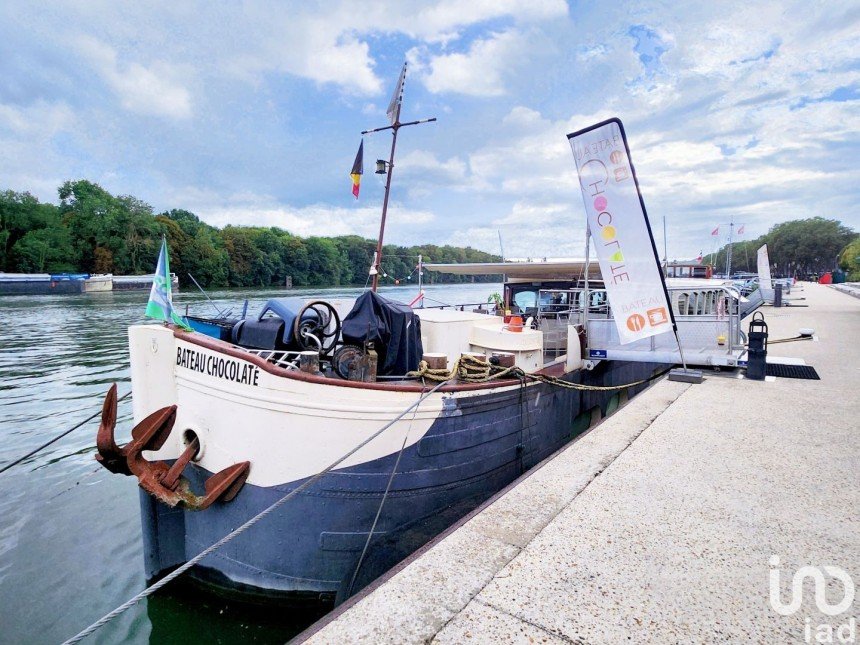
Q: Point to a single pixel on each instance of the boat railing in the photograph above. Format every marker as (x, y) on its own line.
(708, 320)
(558, 308)
(282, 358)
(475, 307)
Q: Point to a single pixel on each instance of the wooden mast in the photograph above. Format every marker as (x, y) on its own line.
(394, 127)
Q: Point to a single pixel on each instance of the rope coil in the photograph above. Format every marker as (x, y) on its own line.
(470, 369)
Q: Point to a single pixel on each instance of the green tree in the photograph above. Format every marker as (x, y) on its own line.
(22, 214)
(796, 247)
(123, 225)
(43, 250)
(199, 248)
(849, 260)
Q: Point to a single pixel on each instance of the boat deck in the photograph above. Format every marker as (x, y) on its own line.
(659, 525)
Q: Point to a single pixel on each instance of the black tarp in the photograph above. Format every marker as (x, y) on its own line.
(391, 326)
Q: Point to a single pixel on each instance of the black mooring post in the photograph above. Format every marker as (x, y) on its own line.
(757, 348)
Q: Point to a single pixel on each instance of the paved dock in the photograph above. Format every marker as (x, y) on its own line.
(660, 524)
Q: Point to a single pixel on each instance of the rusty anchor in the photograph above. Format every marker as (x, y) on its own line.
(159, 479)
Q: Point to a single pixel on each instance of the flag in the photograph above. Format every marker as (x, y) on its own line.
(765, 282)
(741, 229)
(160, 305)
(357, 169)
(699, 259)
(621, 233)
(716, 231)
(392, 111)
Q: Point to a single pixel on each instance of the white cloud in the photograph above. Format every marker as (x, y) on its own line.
(317, 47)
(249, 209)
(422, 172)
(42, 119)
(441, 22)
(332, 46)
(29, 162)
(726, 106)
(155, 90)
(481, 70)
(529, 229)
(318, 219)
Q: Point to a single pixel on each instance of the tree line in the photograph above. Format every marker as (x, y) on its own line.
(92, 231)
(797, 248)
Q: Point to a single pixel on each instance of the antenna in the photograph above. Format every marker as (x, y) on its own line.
(220, 315)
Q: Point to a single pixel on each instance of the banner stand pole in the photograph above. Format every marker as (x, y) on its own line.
(585, 294)
(602, 155)
(680, 350)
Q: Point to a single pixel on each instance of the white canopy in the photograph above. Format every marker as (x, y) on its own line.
(551, 270)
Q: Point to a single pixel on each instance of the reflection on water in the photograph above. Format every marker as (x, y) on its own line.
(70, 544)
(182, 613)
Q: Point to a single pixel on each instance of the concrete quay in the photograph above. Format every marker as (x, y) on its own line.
(851, 288)
(661, 523)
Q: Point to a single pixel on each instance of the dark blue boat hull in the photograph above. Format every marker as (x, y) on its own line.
(309, 548)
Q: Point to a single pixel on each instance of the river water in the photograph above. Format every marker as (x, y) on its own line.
(70, 539)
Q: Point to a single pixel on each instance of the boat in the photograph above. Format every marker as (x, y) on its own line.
(252, 405)
(52, 283)
(694, 269)
(338, 442)
(74, 283)
(139, 282)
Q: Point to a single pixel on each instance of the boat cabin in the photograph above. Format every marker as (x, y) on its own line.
(551, 317)
(689, 270)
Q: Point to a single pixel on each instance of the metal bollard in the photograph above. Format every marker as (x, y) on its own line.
(757, 348)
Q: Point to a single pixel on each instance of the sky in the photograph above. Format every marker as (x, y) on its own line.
(251, 112)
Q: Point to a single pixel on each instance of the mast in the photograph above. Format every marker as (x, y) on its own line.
(420, 272)
(665, 251)
(396, 127)
(729, 250)
(394, 115)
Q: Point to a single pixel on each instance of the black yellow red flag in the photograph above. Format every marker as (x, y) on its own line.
(357, 169)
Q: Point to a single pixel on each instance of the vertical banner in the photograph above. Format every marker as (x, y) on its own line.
(622, 235)
(763, 261)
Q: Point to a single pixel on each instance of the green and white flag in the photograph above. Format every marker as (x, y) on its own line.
(160, 305)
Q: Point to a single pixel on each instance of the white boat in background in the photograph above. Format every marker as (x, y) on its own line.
(708, 312)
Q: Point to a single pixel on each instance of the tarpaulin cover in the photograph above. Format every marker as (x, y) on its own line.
(392, 327)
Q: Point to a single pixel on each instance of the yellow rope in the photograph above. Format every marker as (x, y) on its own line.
(469, 369)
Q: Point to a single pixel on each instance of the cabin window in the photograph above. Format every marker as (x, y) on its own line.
(526, 300)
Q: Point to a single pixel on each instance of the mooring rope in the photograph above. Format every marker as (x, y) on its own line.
(553, 380)
(381, 504)
(787, 340)
(55, 439)
(236, 532)
(471, 369)
(468, 368)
